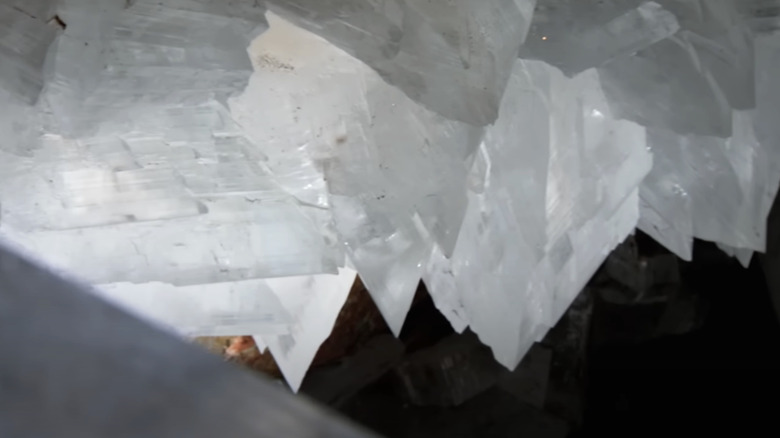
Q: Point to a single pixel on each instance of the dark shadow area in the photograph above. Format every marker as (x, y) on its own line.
(652, 346)
(725, 372)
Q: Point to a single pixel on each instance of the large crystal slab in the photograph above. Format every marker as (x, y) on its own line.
(766, 127)
(190, 203)
(577, 35)
(395, 171)
(221, 309)
(666, 209)
(452, 56)
(43, 10)
(723, 43)
(663, 86)
(557, 173)
(725, 180)
(24, 42)
(116, 60)
(139, 188)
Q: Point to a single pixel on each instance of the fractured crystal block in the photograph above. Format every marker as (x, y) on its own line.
(723, 43)
(577, 35)
(314, 303)
(117, 61)
(565, 204)
(24, 43)
(663, 86)
(221, 309)
(395, 171)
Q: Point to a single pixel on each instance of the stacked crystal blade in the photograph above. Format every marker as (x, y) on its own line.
(229, 167)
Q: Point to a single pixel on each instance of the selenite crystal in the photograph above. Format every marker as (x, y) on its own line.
(25, 38)
(220, 170)
(453, 56)
(505, 290)
(575, 35)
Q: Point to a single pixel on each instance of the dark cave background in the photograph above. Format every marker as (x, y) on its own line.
(694, 346)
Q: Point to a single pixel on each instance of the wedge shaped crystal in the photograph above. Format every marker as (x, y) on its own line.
(221, 309)
(723, 43)
(557, 173)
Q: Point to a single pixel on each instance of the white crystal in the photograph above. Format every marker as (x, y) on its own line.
(24, 42)
(726, 181)
(558, 175)
(743, 256)
(454, 56)
(577, 35)
(221, 309)
(364, 132)
(190, 203)
(351, 130)
(686, 99)
(723, 43)
(314, 302)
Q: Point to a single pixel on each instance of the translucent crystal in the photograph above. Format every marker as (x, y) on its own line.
(723, 43)
(388, 186)
(40, 9)
(163, 162)
(452, 56)
(724, 179)
(314, 303)
(577, 35)
(664, 86)
(188, 204)
(220, 191)
(116, 60)
(221, 309)
(767, 129)
(24, 42)
(743, 256)
(666, 209)
(557, 173)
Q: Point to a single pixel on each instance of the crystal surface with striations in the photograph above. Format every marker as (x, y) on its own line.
(427, 49)
(577, 35)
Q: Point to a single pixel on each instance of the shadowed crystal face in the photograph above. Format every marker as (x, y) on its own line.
(223, 170)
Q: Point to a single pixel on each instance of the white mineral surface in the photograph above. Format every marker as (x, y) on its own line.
(230, 167)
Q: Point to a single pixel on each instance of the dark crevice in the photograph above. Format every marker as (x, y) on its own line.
(57, 21)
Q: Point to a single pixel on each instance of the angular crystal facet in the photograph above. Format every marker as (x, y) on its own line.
(452, 56)
(220, 190)
(575, 35)
(314, 303)
(369, 144)
(577, 171)
(24, 42)
(685, 99)
(221, 309)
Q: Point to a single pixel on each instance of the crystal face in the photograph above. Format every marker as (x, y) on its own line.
(230, 167)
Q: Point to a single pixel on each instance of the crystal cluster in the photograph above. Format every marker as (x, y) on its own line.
(229, 167)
